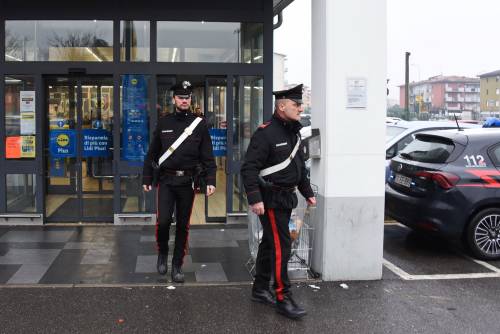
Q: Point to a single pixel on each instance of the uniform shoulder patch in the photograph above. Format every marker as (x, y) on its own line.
(264, 125)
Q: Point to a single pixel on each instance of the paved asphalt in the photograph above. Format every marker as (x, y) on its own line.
(386, 306)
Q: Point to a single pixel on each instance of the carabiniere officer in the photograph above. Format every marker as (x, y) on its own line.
(176, 175)
(273, 169)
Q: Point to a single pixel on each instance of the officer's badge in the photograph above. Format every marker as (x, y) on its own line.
(186, 84)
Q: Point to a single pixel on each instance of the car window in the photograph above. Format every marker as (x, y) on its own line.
(405, 141)
(494, 154)
(392, 131)
(430, 149)
(400, 145)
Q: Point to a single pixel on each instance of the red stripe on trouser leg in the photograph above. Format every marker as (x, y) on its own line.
(188, 226)
(277, 262)
(157, 216)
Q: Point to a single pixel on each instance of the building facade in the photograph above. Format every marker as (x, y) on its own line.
(279, 70)
(444, 96)
(83, 83)
(490, 94)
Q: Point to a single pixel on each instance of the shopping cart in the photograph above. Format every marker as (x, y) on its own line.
(301, 225)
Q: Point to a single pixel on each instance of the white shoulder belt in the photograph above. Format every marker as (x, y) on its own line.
(186, 133)
(281, 165)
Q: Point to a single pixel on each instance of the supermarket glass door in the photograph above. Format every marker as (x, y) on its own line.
(78, 149)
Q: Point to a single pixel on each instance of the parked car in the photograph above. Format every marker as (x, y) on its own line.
(448, 182)
(400, 133)
(392, 120)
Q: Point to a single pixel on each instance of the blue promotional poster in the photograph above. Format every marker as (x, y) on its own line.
(135, 127)
(219, 142)
(96, 143)
(57, 167)
(62, 143)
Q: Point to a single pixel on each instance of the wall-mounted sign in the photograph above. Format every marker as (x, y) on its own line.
(13, 147)
(27, 100)
(62, 143)
(96, 143)
(27, 111)
(28, 146)
(356, 92)
(219, 142)
(18, 147)
(57, 167)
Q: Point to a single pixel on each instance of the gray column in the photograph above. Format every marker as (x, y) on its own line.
(349, 107)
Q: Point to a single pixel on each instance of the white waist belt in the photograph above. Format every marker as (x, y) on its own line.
(186, 133)
(281, 165)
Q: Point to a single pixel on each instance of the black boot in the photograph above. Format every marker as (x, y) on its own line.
(177, 274)
(289, 308)
(263, 296)
(161, 264)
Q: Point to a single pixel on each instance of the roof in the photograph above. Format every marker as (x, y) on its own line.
(431, 124)
(490, 74)
(490, 135)
(445, 79)
(279, 5)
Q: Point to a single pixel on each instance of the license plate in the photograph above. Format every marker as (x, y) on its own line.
(402, 180)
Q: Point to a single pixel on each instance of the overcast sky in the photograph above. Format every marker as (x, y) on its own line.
(449, 37)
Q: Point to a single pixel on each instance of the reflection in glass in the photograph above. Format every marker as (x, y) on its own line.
(222, 42)
(20, 125)
(134, 40)
(165, 95)
(133, 198)
(248, 112)
(59, 41)
(21, 190)
(239, 195)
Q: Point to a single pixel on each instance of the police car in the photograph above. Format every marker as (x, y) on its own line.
(400, 133)
(448, 182)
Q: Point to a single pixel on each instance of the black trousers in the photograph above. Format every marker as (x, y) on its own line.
(180, 197)
(274, 252)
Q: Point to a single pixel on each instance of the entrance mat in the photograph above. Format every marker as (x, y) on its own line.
(92, 207)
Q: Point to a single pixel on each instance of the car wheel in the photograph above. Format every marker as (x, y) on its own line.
(483, 234)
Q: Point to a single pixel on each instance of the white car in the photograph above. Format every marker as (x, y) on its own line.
(392, 120)
(400, 133)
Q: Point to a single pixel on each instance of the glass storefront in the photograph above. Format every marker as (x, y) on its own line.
(21, 190)
(134, 40)
(81, 40)
(209, 42)
(74, 142)
(20, 128)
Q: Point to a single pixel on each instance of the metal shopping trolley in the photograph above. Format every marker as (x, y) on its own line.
(301, 225)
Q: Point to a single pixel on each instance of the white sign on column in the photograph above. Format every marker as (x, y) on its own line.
(356, 93)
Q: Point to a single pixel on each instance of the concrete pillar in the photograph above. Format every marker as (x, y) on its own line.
(349, 107)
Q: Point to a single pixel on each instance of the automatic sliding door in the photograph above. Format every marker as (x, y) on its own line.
(248, 112)
(96, 148)
(61, 201)
(216, 115)
(79, 173)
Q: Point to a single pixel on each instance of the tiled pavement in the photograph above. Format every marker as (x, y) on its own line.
(116, 255)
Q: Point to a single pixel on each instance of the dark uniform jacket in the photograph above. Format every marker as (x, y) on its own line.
(194, 150)
(271, 144)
